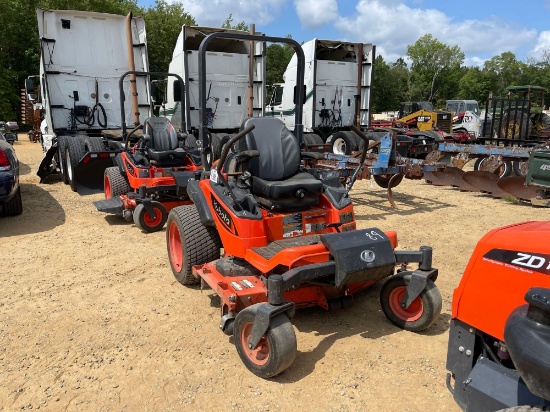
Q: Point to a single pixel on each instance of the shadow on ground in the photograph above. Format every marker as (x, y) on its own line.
(41, 212)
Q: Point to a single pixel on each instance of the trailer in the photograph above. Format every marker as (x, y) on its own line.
(82, 56)
(337, 94)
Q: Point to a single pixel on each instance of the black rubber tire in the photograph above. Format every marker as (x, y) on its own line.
(118, 184)
(280, 339)
(215, 141)
(430, 298)
(518, 117)
(384, 180)
(520, 167)
(526, 408)
(94, 144)
(143, 220)
(74, 151)
(14, 206)
(359, 143)
(341, 143)
(312, 139)
(504, 170)
(189, 243)
(61, 158)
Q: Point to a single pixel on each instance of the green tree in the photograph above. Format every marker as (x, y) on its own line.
(240, 26)
(431, 63)
(163, 23)
(504, 70)
(277, 58)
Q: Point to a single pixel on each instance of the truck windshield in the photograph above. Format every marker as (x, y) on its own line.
(277, 97)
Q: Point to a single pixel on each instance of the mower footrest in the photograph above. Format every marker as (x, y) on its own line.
(267, 252)
(113, 205)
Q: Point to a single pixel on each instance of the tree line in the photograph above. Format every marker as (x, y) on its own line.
(435, 71)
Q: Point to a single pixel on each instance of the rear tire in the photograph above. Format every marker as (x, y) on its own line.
(504, 170)
(74, 151)
(114, 183)
(145, 222)
(420, 314)
(189, 243)
(520, 167)
(312, 139)
(61, 157)
(14, 206)
(215, 141)
(341, 143)
(93, 144)
(276, 350)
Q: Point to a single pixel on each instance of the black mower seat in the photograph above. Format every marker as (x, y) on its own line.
(162, 144)
(277, 181)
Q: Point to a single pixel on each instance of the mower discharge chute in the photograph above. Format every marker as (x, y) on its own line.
(152, 171)
(289, 238)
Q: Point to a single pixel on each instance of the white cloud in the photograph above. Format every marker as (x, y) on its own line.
(214, 12)
(392, 26)
(314, 13)
(542, 46)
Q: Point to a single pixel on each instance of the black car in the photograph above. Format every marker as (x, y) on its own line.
(10, 191)
(9, 135)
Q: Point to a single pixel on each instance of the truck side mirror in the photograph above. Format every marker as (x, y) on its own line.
(29, 89)
(303, 96)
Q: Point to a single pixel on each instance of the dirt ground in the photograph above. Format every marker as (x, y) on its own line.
(93, 319)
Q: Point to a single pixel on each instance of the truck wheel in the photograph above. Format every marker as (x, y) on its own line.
(94, 144)
(14, 206)
(515, 125)
(384, 180)
(520, 167)
(215, 141)
(147, 223)
(276, 350)
(312, 139)
(114, 183)
(341, 143)
(74, 151)
(189, 243)
(504, 170)
(421, 313)
(61, 157)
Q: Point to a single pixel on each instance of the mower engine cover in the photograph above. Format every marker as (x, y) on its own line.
(360, 255)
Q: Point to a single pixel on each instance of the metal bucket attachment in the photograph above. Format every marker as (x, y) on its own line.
(515, 185)
(89, 171)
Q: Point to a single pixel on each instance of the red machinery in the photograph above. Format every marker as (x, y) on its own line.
(151, 175)
(289, 238)
(499, 348)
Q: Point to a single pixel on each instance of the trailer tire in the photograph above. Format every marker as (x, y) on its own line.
(189, 243)
(312, 139)
(504, 170)
(512, 122)
(422, 312)
(74, 151)
(341, 143)
(62, 161)
(277, 348)
(93, 144)
(115, 183)
(14, 206)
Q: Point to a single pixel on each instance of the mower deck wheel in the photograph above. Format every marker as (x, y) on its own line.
(114, 183)
(148, 223)
(420, 314)
(189, 243)
(276, 350)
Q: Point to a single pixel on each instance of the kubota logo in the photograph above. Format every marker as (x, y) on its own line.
(526, 262)
(368, 256)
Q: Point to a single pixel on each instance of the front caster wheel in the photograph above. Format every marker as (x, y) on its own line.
(147, 223)
(420, 314)
(276, 350)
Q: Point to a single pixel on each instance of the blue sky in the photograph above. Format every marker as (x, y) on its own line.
(482, 28)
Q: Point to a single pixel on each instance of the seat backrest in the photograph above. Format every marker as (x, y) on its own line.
(279, 151)
(162, 134)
